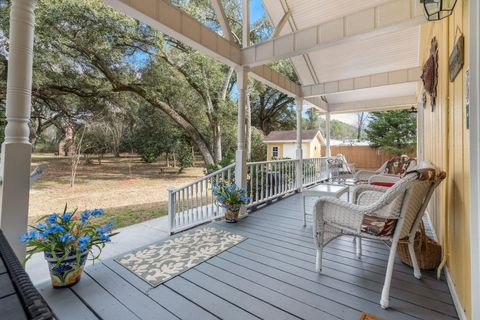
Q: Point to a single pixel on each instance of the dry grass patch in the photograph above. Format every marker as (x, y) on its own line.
(128, 189)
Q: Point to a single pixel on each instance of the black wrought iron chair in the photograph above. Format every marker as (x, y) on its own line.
(18, 297)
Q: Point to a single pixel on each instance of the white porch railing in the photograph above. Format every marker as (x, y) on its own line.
(194, 204)
(314, 170)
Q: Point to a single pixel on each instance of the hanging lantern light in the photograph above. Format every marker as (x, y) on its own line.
(438, 9)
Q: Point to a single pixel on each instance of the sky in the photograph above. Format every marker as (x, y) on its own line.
(256, 10)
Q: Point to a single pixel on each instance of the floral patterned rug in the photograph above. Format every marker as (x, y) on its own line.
(160, 262)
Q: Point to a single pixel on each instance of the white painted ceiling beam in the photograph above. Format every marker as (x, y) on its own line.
(317, 103)
(170, 20)
(374, 105)
(281, 24)
(385, 18)
(276, 80)
(370, 81)
(222, 19)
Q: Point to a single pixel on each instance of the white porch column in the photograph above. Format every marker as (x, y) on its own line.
(474, 110)
(16, 150)
(241, 155)
(328, 151)
(299, 151)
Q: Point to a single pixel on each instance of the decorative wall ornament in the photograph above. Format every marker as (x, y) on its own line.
(456, 58)
(430, 73)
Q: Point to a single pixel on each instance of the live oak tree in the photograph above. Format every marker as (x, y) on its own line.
(272, 109)
(89, 56)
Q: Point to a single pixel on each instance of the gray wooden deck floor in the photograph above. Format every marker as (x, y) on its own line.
(269, 276)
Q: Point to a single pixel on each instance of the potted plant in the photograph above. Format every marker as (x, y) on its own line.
(231, 198)
(66, 239)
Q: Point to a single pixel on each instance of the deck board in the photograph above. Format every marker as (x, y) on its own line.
(135, 300)
(179, 305)
(221, 308)
(213, 281)
(268, 276)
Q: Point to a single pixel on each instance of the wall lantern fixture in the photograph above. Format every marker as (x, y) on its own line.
(438, 9)
(412, 110)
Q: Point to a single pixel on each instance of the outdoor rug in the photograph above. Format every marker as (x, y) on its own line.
(160, 262)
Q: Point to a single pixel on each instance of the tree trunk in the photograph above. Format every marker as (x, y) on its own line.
(193, 133)
(217, 143)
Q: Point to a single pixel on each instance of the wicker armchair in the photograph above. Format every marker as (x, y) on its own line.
(380, 174)
(339, 168)
(403, 204)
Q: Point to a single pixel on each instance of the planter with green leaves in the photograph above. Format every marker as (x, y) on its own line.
(231, 198)
(66, 240)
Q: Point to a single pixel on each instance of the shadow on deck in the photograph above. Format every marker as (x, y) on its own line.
(269, 276)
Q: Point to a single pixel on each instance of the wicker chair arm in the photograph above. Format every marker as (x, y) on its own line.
(369, 197)
(364, 175)
(329, 210)
(366, 187)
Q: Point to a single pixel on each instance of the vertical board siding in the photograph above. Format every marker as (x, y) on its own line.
(364, 157)
(447, 146)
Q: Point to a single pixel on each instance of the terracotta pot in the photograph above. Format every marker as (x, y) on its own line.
(231, 216)
(66, 273)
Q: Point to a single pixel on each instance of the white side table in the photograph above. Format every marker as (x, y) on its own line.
(323, 190)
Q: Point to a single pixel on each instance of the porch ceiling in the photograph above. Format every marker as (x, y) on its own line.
(383, 53)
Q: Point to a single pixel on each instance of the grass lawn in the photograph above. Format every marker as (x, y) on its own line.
(122, 217)
(129, 190)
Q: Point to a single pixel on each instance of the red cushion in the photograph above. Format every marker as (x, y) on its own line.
(383, 184)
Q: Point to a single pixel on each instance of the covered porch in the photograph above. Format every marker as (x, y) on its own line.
(271, 274)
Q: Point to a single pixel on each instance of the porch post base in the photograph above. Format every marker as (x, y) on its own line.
(241, 176)
(14, 195)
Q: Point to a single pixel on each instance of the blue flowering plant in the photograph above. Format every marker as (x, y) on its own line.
(230, 197)
(68, 234)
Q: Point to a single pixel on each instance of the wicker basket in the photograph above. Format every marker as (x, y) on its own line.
(427, 250)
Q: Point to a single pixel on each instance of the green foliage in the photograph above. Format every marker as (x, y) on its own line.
(272, 109)
(339, 130)
(230, 197)
(3, 124)
(393, 130)
(259, 148)
(185, 156)
(217, 166)
(153, 134)
(96, 141)
(312, 120)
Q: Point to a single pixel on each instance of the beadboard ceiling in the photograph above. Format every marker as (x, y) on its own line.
(388, 52)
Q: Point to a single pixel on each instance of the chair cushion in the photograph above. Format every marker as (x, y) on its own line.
(398, 165)
(378, 226)
(382, 184)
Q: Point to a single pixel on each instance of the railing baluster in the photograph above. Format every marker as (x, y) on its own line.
(201, 200)
(250, 194)
(256, 182)
(195, 202)
(183, 207)
(190, 204)
(197, 213)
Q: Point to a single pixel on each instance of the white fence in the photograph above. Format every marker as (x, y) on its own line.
(194, 203)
